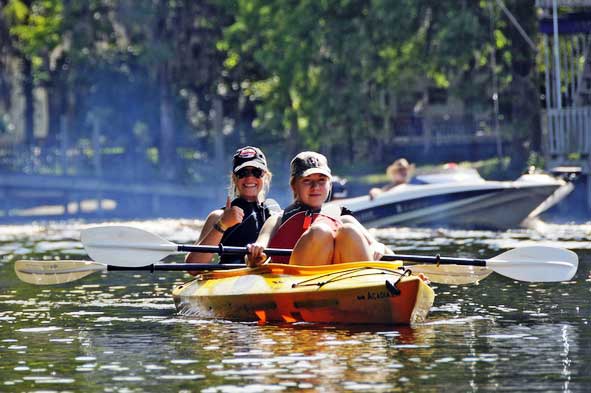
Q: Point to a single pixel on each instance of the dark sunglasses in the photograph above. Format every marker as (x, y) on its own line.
(245, 172)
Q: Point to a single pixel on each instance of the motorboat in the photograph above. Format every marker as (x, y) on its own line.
(460, 197)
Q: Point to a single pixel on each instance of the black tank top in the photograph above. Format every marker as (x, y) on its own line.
(247, 231)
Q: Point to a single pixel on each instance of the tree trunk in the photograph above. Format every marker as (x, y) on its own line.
(218, 131)
(29, 115)
(524, 112)
(167, 134)
(218, 141)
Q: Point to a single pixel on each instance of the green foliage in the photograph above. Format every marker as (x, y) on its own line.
(330, 75)
(36, 29)
(327, 70)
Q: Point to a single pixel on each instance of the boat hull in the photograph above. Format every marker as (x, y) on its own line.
(351, 293)
(481, 205)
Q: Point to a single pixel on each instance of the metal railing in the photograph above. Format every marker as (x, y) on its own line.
(563, 3)
(568, 131)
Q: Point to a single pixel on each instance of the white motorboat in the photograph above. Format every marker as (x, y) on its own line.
(460, 197)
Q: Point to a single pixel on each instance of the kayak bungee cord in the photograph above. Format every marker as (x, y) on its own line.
(339, 276)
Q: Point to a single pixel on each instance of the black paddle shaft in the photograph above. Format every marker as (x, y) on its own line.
(176, 266)
(221, 249)
(435, 260)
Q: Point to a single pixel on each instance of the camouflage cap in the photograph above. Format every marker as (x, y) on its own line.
(309, 162)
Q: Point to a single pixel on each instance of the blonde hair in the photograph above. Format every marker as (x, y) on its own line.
(233, 189)
(400, 164)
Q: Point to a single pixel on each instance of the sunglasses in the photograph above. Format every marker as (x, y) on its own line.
(245, 172)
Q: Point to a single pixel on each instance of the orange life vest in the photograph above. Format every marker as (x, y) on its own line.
(294, 226)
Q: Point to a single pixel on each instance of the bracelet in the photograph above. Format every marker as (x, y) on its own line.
(218, 227)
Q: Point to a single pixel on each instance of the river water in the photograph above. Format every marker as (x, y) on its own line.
(118, 331)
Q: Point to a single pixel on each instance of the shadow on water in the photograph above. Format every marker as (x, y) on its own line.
(118, 331)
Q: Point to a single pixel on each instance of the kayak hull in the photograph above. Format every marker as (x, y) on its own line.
(351, 293)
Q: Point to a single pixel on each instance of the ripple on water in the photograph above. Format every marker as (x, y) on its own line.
(85, 358)
(67, 247)
(368, 387)
(46, 329)
(129, 379)
(62, 340)
(181, 376)
(559, 235)
(183, 361)
(87, 367)
(255, 388)
(39, 379)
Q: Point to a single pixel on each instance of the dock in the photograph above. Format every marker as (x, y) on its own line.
(26, 197)
(566, 120)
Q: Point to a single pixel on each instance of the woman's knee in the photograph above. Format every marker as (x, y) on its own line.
(319, 231)
(315, 247)
(350, 245)
(349, 232)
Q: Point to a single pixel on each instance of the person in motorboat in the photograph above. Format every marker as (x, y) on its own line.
(319, 234)
(399, 172)
(239, 222)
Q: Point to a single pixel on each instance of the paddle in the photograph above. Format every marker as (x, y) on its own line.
(64, 271)
(128, 246)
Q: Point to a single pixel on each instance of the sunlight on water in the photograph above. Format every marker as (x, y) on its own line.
(567, 236)
(118, 331)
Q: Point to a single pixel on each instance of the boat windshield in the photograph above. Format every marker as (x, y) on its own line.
(450, 175)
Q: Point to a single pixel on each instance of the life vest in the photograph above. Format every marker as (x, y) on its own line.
(296, 219)
(247, 231)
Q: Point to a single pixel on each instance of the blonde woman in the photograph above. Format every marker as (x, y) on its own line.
(399, 172)
(318, 235)
(239, 222)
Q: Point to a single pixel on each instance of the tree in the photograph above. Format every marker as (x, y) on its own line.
(34, 26)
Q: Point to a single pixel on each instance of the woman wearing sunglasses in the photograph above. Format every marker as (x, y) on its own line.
(319, 234)
(239, 222)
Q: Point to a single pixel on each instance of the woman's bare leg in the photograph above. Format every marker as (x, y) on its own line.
(315, 247)
(351, 245)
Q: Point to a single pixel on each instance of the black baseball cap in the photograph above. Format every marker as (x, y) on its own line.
(309, 162)
(249, 156)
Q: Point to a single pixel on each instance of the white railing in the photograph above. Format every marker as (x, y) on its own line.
(569, 131)
(563, 3)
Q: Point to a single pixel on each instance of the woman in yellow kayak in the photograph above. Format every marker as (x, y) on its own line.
(239, 222)
(319, 234)
(399, 172)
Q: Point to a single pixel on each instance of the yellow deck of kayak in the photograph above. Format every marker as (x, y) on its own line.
(350, 293)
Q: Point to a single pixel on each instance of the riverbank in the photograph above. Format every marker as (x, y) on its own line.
(43, 198)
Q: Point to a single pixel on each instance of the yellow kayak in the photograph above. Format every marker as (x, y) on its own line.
(349, 293)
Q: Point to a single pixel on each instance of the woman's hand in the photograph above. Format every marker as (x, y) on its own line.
(378, 250)
(231, 216)
(256, 255)
(374, 192)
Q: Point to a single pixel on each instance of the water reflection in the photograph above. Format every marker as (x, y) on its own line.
(118, 331)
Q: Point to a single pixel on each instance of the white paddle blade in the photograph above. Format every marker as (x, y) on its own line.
(55, 272)
(451, 274)
(125, 246)
(536, 264)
